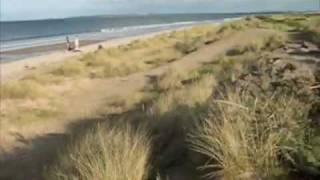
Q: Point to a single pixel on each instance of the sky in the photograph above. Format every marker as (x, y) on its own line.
(44, 9)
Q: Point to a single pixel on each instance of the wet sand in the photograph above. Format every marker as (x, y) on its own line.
(14, 55)
(48, 48)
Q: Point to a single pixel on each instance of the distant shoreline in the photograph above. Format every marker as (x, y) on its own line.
(18, 50)
(17, 68)
(30, 52)
(25, 53)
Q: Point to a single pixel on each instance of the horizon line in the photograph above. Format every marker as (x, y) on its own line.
(143, 14)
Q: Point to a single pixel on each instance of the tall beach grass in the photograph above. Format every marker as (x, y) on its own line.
(118, 153)
(245, 137)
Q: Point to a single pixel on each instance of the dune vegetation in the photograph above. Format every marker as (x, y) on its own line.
(251, 112)
(106, 153)
(55, 83)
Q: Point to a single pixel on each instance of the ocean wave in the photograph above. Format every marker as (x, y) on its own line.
(231, 19)
(150, 26)
(104, 34)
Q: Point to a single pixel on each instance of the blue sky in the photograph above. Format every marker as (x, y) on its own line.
(42, 9)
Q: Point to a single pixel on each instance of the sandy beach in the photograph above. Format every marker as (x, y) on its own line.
(17, 68)
(24, 53)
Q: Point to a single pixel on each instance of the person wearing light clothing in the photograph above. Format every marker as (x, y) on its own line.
(77, 44)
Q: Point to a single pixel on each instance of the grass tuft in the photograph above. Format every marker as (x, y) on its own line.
(191, 95)
(171, 79)
(118, 153)
(188, 46)
(245, 135)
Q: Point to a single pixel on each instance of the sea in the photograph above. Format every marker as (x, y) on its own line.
(17, 35)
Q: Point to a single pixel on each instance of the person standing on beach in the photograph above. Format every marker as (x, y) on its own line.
(76, 44)
(68, 44)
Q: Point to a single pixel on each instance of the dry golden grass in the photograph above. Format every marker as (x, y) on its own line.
(24, 111)
(268, 42)
(171, 79)
(231, 27)
(46, 87)
(311, 29)
(137, 56)
(44, 78)
(70, 68)
(121, 69)
(23, 89)
(162, 56)
(122, 104)
(118, 153)
(36, 97)
(190, 95)
(244, 135)
(274, 41)
(188, 46)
